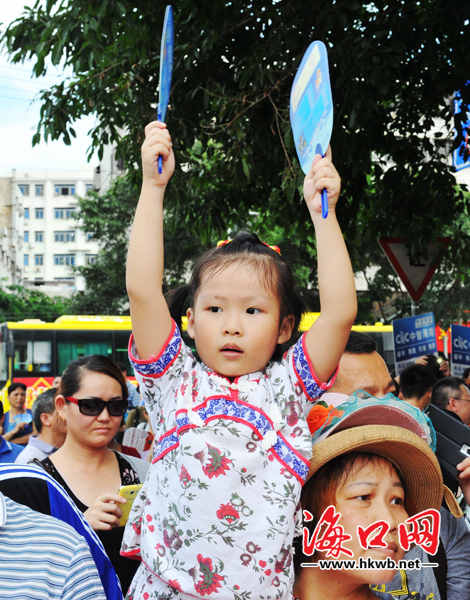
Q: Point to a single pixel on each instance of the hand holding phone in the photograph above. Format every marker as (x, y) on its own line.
(129, 492)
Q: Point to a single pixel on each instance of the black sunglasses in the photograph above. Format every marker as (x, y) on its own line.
(92, 407)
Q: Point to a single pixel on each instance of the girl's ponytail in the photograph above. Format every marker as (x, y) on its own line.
(176, 299)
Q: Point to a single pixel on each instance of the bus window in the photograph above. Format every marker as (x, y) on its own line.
(33, 353)
(74, 344)
(121, 341)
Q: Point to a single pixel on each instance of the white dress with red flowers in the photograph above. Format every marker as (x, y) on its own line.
(218, 511)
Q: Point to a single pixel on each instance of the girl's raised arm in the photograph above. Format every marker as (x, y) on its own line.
(328, 336)
(151, 321)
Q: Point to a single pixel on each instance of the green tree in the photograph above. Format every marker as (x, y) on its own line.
(108, 218)
(394, 69)
(18, 303)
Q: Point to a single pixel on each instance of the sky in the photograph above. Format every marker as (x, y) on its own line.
(19, 114)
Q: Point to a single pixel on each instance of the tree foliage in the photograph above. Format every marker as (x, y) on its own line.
(394, 69)
(18, 303)
(108, 217)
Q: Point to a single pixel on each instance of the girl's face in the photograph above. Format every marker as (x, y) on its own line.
(95, 431)
(235, 321)
(17, 398)
(372, 492)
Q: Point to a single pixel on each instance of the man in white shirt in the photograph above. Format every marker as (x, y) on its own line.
(50, 427)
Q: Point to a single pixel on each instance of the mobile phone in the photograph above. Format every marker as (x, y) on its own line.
(129, 492)
(453, 443)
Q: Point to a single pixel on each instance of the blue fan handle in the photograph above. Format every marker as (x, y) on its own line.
(324, 193)
(160, 161)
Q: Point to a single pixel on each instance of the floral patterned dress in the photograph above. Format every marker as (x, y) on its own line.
(220, 506)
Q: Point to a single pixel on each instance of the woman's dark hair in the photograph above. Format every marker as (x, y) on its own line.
(320, 491)
(247, 249)
(15, 386)
(95, 363)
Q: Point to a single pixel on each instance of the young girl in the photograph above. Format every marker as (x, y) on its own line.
(217, 514)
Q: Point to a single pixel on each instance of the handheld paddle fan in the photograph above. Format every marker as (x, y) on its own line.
(311, 109)
(166, 68)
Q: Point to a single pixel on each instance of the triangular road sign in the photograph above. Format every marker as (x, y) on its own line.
(417, 272)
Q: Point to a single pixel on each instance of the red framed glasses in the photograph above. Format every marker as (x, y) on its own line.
(92, 407)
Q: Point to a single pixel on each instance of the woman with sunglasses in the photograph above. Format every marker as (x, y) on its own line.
(92, 399)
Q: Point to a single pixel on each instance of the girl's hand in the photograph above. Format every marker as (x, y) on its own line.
(157, 143)
(105, 512)
(322, 175)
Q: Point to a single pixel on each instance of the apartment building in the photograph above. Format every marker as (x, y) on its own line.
(11, 233)
(49, 241)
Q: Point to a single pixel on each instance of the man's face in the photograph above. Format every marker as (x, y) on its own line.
(366, 372)
(461, 404)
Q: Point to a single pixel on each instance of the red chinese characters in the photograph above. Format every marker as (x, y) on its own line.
(331, 538)
(423, 531)
(377, 541)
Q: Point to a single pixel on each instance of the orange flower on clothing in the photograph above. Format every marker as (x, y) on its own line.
(320, 414)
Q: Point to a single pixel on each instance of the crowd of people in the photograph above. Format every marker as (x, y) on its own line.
(268, 471)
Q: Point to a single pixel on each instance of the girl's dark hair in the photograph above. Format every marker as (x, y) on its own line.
(15, 386)
(248, 249)
(96, 363)
(320, 491)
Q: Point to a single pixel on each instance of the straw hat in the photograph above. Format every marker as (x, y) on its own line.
(389, 428)
(411, 455)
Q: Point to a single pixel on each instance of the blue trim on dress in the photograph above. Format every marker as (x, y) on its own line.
(159, 365)
(214, 408)
(310, 384)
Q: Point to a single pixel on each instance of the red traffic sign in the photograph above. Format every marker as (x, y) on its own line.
(415, 272)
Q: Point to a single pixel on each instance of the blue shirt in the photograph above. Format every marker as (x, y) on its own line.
(134, 397)
(9, 451)
(35, 488)
(42, 558)
(7, 426)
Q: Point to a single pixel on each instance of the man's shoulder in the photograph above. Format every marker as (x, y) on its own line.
(34, 449)
(9, 451)
(42, 523)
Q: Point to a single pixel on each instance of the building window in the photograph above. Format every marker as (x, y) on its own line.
(89, 187)
(26, 213)
(39, 190)
(64, 189)
(38, 236)
(89, 237)
(64, 236)
(26, 236)
(38, 260)
(39, 213)
(24, 189)
(90, 259)
(64, 259)
(26, 260)
(64, 213)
